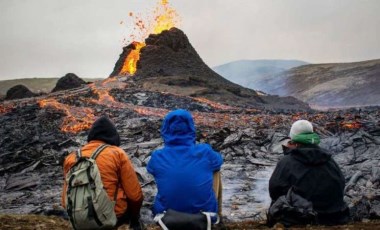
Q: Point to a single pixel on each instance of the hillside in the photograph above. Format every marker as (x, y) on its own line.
(251, 73)
(36, 85)
(330, 85)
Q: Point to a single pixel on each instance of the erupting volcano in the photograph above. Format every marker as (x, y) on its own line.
(157, 72)
(167, 62)
(164, 18)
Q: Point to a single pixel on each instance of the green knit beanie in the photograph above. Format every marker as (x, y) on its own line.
(307, 138)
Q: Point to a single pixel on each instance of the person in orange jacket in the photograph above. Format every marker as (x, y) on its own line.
(116, 172)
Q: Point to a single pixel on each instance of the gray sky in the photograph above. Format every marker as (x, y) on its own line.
(49, 38)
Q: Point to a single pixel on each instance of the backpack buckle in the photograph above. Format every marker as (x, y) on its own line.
(92, 185)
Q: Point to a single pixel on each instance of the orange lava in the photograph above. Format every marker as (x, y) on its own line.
(351, 125)
(149, 111)
(77, 119)
(164, 18)
(130, 63)
(213, 104)
(102, 90)
(5, 109)
(103, 94)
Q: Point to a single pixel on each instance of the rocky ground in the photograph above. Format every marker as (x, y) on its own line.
(36, 140)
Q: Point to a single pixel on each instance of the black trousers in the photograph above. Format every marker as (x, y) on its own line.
(124, 219)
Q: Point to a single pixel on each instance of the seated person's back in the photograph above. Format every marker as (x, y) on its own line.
(182, 169)
(313, 174)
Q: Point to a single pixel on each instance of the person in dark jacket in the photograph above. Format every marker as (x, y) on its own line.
(312, 173)
(183, 170)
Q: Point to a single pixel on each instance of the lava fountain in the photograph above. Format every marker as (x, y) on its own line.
(164, 18)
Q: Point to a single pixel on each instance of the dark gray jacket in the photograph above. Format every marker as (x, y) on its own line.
(316, 177)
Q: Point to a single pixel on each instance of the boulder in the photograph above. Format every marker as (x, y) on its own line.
(69, 81)
(18, 92)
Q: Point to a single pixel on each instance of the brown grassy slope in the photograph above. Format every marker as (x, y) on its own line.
(337, 84)
(36, 85)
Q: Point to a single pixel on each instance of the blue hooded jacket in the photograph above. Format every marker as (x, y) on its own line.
(183, 170)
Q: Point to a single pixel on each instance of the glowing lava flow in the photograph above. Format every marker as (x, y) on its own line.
(165, 17)
(5, 109)
(351, 125)
(77, 119)
(130, 63)
(213, 104)
(102, 89)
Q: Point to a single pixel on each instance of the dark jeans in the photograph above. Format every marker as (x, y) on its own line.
(124, 219)
(133, 222)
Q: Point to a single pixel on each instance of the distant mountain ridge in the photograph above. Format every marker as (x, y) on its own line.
(250, 73)
(331, 85)
(320, 85)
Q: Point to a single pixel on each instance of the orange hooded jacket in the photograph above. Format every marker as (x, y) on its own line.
(115, 169)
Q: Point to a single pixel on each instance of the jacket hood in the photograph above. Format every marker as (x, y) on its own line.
(104, 130)
(178, 128)
(310, 155)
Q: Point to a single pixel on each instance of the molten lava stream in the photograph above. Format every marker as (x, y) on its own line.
(130, 63)
(77, 119)
(149, 111)
(5, 109)
(102, 89)
(164, 17)
(213, 104)
(351, 125)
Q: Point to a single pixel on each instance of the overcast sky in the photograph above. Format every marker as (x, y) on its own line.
(49, 38)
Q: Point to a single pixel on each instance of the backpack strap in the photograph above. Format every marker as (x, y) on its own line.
(93, 156)
(158, 219)
(208, 216)
(289, 194)
(96, 153)
(78, 154)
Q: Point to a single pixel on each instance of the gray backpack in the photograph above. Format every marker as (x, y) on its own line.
(291, 209)
(87, 203)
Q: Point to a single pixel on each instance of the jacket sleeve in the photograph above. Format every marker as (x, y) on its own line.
(215, 159)
(131, 186)
(279, 183)
(151, 164)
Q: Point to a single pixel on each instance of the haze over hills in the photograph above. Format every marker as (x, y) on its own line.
(320, 85)
(330, 85)
(251, 73)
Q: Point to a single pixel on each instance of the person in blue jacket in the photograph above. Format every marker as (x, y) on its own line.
(183, 170)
